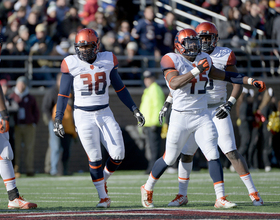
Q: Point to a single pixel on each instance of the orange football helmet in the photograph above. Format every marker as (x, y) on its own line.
(208, 29)
(187, 43)
(85, 37)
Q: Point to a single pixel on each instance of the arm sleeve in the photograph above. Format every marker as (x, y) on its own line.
(121, 90)
(63, 95)
(232, 77)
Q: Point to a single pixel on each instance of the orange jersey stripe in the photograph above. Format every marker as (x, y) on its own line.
(98, 180)
(6, 180)
(218, 182)
(244, 175)
(120, 89)
(95, 167)
(1, 158)
(67, 96)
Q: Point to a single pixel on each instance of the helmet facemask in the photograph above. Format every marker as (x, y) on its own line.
(192, 46)
(208, 46)
(87, 54)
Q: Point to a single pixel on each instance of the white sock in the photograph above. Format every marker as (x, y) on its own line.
(7, 174)
(248, 181)
(100, 189)
(150, 184)
(184, 171)
(219, 190)
(106, 174)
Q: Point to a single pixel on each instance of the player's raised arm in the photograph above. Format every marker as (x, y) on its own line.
(123, 93)
(237, 78)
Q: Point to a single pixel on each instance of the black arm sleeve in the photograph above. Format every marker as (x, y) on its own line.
(63, 95)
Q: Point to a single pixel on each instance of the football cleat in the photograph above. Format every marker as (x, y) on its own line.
(224, 203)
(20, 203)
(146, 197)
(256, 199)
(179, 201)
(105, 186)
(104, 203)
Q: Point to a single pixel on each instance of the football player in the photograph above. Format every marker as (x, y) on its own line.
(186, 73)
(223, 58)
(90, 73)
(6, 155)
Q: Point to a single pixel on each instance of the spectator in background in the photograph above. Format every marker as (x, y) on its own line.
(61, 10)
(130, 52)
(110, 43)
(124, 36)
(52, 21)
(147, 33)
(25, 126)
(21, 15)
(6, 9)
(212, 5)
(88, 13)
(151, 103)
(41, 37)
(32, 22)
(49, 101)
(100, 25)
(20, 49)
(23, 34)
(253, 20)
(276, 35)
(267, 107)
(67, 140)
(126, 10)
(169, 31)
(22, 6)
(71, 23)
(245, 121)
(11, 34)
(39, 8)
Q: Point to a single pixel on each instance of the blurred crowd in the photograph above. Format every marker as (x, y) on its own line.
(48, 27)
(259, 128)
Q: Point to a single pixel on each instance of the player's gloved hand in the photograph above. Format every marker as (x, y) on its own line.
(58, 128)
(224, 110)
(259, 84)
(203, 65)
(140, 118)
(163, 111)
(4, 121)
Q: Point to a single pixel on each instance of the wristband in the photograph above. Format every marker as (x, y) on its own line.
(232, 100)
(195, 71)
(169, 99)
(250, 81)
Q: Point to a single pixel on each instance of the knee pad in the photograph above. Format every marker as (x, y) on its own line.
(186, 158)
(212, 154)
(7, 152)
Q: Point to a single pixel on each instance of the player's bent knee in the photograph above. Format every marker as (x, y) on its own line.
(232, 155)
(7, 152)
(186, 158)
(169, 161)
(212, 155)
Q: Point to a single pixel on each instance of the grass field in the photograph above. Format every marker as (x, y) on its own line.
(77, 192)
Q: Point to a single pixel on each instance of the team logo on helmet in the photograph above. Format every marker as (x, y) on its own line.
(86, 37)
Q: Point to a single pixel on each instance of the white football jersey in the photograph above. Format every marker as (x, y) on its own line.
(192, 96)
(217, 89)
(91, 81)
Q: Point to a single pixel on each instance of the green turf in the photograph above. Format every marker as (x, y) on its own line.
(77, 192)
